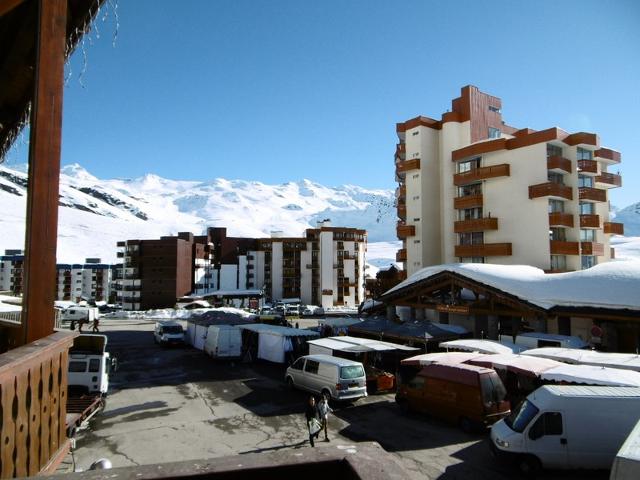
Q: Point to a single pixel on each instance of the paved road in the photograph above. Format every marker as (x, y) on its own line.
(178, 404)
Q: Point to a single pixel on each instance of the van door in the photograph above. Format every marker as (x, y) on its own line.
(547, 440)
(310, 377)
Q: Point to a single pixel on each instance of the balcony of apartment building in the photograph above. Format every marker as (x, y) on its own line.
(402, 211)
(403, 166)
(591, 194)
(561, 219)
(613, 228)
(558, 164)
(607, 156)
(608, 180)
(551, 190)
(481, 173)
(592, 248)
(589, 221)
(404, 231)
(475, 225)
(401, 255)
(401, 194)
(562, 247)
(469, 196)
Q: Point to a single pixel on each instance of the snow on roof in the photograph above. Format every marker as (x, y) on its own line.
(279, 330)
(481, 346)
(612, 285)
(591, 375)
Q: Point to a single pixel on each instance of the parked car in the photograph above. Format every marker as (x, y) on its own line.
(339, 378)
(168, 333)
(311, 310)
(468, 395)
(567, 426)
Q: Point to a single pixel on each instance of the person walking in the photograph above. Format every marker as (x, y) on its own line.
(323, 412)
(311, 413)
(95, 325)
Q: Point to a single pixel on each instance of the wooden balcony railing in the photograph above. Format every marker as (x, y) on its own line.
(402, 211)
(483, 250)
(558, 219)
(609, 180)
(586, 167)
(556, 162)
(401, 255)
(401, 192)
(607, 155)
(502, 170)
(592, 248)
(475, 225)
(469, 201)
(404, 231)
(551, 189)
(406, 165)
(589, 221)
(592, 194)
(33, 381)
(559, 247)
(614, 228)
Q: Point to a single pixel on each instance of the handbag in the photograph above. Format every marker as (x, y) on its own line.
(314, 426)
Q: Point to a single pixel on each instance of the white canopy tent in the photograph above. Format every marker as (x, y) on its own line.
(625, 361)
(274, 340)
(447, 358)
(481, 346)
(591, 375)
(352, 344)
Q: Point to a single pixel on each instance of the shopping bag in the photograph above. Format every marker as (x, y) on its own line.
(314, 426)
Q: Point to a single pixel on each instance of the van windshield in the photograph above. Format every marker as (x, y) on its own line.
(172, 329)
(353, 371)
(520, 418)
(492, 389)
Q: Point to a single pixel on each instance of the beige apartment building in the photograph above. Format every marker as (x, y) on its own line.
(474, 189)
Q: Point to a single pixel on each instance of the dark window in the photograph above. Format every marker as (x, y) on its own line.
(350, 372)
(94, 365)
(77, 367)
(311, 366)
(298, 364)
(550, 423)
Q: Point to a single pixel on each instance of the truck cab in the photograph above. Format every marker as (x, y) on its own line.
(89, 365)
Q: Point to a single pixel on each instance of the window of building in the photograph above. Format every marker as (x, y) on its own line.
(587, 208)
(415, 133)
(558, 262)
(585, 181)
(587, 235)
(558, 234)
(416, 197)
(471, 189)
(556, 178)
(471, 259)
(584, 154)
(416, 175)
(494, 109)
(471, 238)
(470, 213)
(494, 132)
(554, 150)
(469, 165)
(416, 241)
(416, 219)
(556, 206)
(588, 261)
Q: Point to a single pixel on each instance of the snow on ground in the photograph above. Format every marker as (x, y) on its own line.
(627, 248)
(608, 285)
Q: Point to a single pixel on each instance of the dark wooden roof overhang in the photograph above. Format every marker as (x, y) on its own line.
(18, 37)
(496, 301)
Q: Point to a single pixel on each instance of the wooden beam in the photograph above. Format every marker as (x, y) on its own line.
(7, 5)
(44, 171)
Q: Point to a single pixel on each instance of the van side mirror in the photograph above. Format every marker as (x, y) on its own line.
(114, 365)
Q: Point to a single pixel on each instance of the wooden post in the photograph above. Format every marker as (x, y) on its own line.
(44, 171)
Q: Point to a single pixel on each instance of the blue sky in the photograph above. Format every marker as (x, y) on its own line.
(283, 90)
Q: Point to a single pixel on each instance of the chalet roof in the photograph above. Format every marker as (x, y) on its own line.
(18, 19)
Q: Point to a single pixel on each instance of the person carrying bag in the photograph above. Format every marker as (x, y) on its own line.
(311, 413)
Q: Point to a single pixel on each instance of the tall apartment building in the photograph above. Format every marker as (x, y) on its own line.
(474, 189)
(323, 267)
(157, 272)
(74, 282)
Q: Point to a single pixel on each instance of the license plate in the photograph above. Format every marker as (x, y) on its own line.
(353, 385)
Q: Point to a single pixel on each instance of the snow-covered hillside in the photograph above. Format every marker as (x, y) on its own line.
(96, 213)
(630, 216)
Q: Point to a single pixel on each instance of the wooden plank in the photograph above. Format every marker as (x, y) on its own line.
(35, 375)
(55, 405)
(45, 414)
(44, 172)
(7, 429)
(22, 426)
(64, 368)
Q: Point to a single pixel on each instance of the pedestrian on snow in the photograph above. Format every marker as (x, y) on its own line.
(95, 326)
(311, 413)
(323, 412)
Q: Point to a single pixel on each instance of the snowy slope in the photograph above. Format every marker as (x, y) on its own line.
(630, 216)
(96, 213)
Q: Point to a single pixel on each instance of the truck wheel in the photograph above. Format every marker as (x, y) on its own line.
(529, 466)
(466, 425)
(290, 383)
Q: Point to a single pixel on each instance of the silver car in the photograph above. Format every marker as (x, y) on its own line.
(339, 378)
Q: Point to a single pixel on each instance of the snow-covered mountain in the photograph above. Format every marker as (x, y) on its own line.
(630, 216)
(96, 213)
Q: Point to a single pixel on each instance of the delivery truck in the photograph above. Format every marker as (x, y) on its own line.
(567, 427)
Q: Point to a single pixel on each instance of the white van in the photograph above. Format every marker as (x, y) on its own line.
(562, 426)
(223, 341)
(89, 364)
(539, 340)
(626, 465)
(339, 378)
(168, 333)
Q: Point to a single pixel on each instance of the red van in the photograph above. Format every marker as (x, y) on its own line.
(468, 395)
